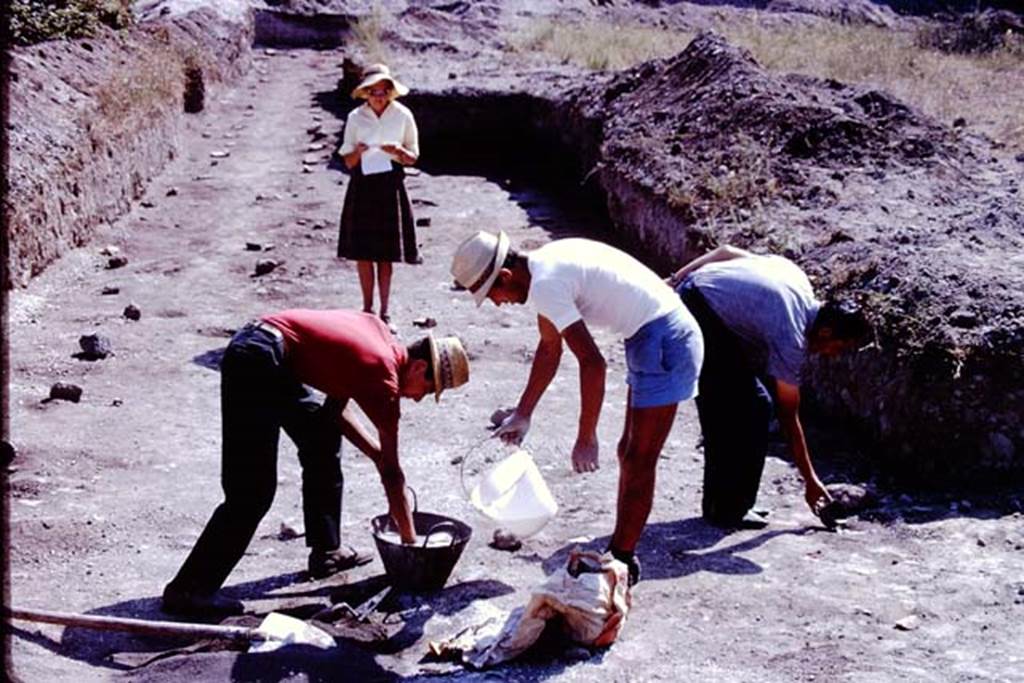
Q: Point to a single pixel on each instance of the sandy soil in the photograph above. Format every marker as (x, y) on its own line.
(108, 495)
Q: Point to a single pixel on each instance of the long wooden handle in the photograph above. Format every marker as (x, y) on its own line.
(160, 628)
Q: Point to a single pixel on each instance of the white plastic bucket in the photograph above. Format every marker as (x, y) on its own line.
(514, 494)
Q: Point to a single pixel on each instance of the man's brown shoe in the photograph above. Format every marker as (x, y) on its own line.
(324, 563)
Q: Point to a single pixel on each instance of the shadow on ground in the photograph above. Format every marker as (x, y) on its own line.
(210, 359)
(670, 550)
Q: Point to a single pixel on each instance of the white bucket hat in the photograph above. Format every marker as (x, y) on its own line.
(374, 74)
(477, 261)
(451, 364)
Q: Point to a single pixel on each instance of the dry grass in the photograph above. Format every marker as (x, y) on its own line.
(734, 188)
(985, 89)
(600, 46)
(146, 87)
(368, 32)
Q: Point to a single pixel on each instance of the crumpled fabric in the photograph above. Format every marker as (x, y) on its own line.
(590, 594)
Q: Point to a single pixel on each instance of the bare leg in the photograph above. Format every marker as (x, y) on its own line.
(627, 427)
(384, 283)
(648, 429)
(365, 269)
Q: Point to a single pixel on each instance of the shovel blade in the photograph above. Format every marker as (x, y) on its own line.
(280, 630)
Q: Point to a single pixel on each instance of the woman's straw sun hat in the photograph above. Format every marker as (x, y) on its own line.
(374, 74)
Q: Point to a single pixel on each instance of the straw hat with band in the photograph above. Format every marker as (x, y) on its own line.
(377, 73)
(478, 260)
(451, 364)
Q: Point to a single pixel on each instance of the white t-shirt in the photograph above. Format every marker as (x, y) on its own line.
(574, 279)
(395, 126)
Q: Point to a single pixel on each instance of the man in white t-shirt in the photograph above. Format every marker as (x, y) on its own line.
(576, 283)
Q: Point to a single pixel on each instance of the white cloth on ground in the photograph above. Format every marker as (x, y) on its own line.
(590, 594)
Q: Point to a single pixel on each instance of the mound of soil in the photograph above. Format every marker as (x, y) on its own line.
(847, 11)
(448, 26)
(976, 33)
(874, 199)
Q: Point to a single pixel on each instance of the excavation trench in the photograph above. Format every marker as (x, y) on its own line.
(508, 138)
(110, 493)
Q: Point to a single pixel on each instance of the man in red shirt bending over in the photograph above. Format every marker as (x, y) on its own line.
(265, 377)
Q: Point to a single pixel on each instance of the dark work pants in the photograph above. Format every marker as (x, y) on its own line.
(735, 411)
(259, 398)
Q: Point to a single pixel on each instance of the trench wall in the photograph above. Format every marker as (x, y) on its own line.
(92, 120)
(491, 132)
(274, 28)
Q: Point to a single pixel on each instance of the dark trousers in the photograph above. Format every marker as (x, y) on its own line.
(259, 398)
(735, 411)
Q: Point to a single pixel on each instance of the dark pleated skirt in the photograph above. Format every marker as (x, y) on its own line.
(376, 219)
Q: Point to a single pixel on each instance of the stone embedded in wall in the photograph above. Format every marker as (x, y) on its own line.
(195, 88)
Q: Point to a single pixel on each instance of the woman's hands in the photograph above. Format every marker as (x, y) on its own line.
(353, 157)
(399, 153)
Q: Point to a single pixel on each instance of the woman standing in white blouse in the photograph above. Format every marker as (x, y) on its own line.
(377, 226)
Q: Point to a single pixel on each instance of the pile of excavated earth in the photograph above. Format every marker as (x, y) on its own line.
(144, 164)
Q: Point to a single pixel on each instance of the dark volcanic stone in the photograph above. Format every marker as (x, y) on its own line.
(94, 347)
(65, 392)
(264, 266)
(132, 312)
(505, 540)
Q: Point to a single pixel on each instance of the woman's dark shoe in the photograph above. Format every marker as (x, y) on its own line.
(187, 603)
(324, 563)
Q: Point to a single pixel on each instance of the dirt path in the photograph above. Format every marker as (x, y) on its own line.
(108, 495)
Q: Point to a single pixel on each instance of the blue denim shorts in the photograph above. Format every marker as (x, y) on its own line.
(664, 359)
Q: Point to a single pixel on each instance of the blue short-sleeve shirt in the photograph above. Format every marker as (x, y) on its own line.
(770, 305)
